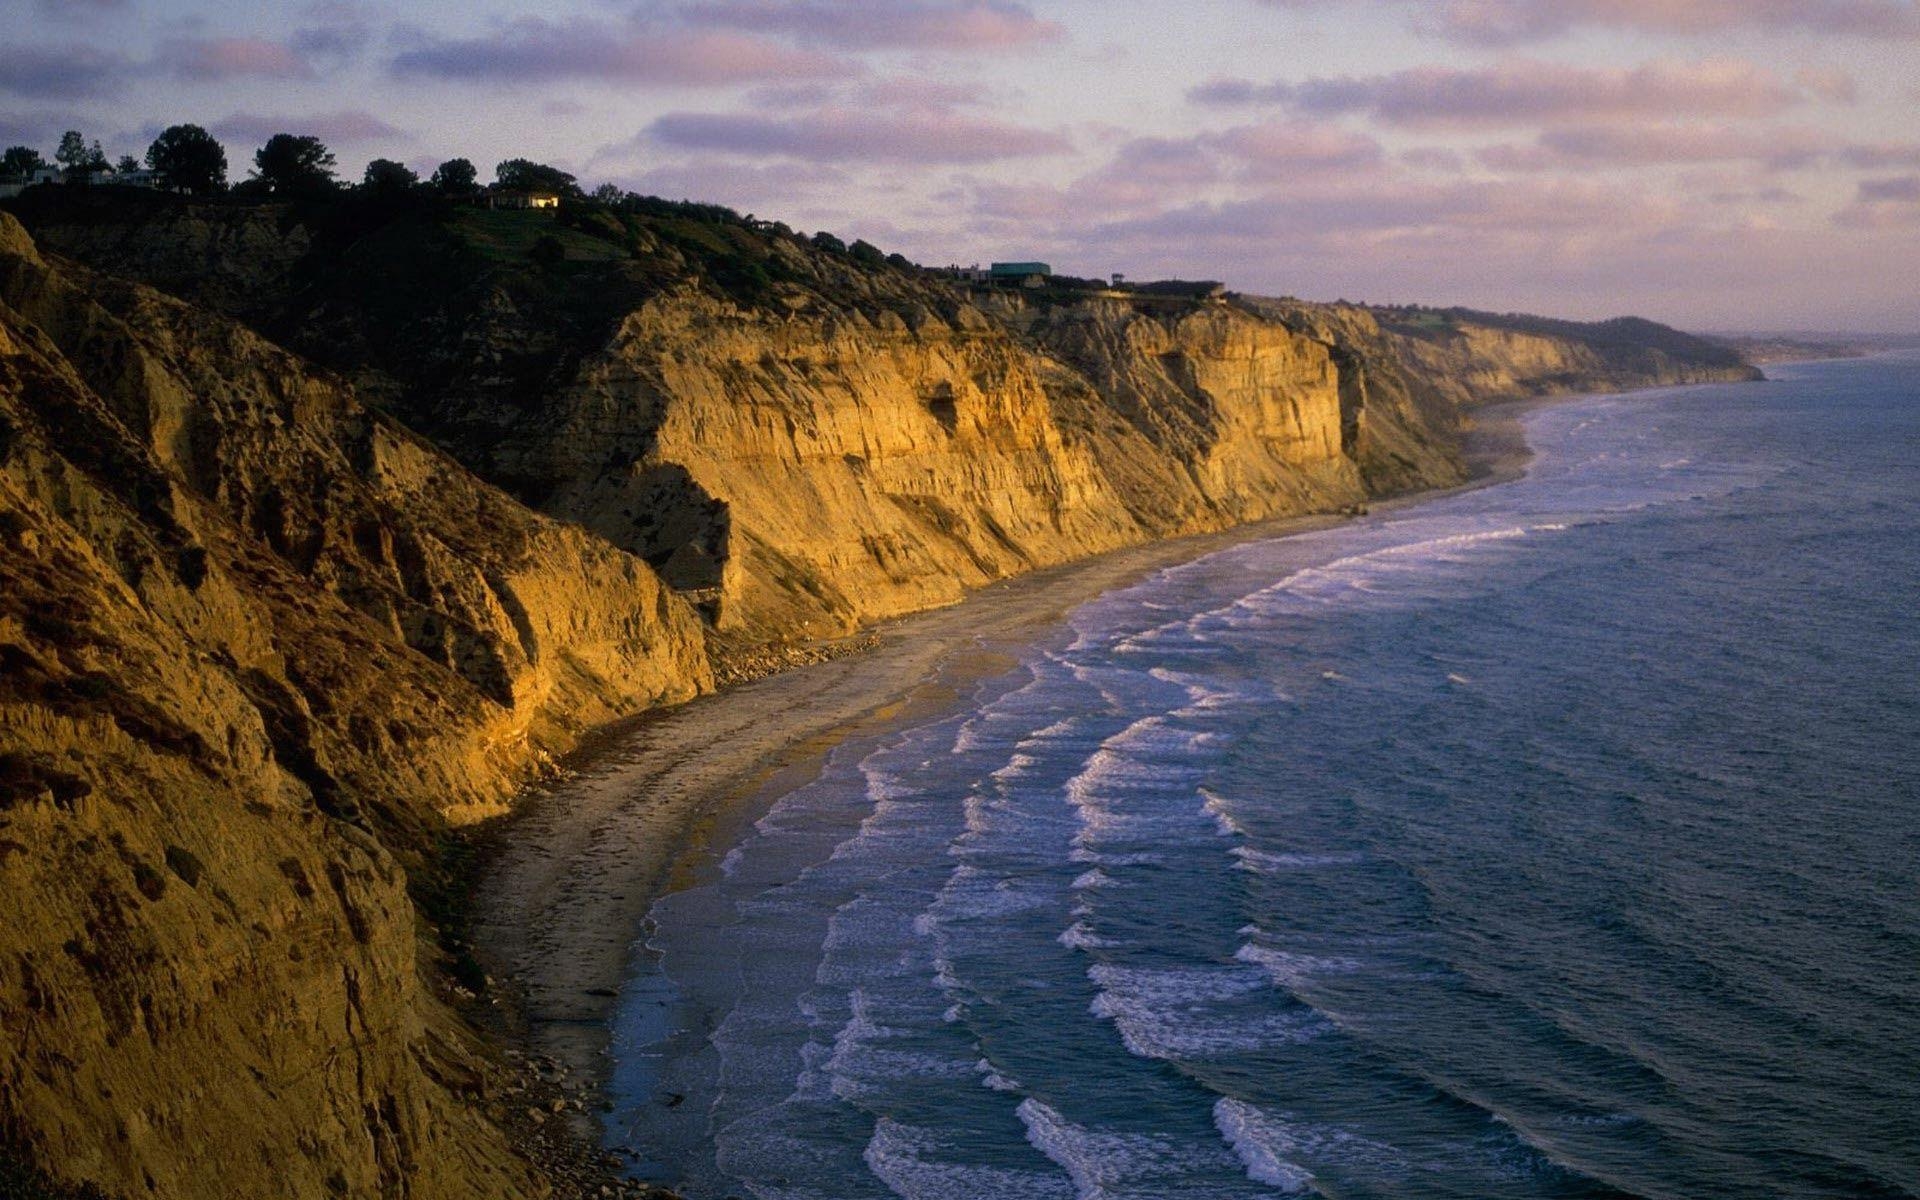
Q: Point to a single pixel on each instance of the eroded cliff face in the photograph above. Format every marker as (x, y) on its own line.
(820, 470)
(812, 471)
(259, 646)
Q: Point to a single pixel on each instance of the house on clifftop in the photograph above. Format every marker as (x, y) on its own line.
(1022, 274)
(522, 198)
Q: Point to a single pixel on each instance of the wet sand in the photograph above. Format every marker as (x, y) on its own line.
(641, 807)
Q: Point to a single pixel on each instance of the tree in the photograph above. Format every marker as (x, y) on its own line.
(294, 165)
(831, 244)
(187, 158)
(80, 159)
(524, 174)
(126, 165)
(609, 194)
(866, 252)
(386, 177)
(456, 177)
(20, 162)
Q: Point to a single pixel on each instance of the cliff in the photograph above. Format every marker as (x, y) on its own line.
(290, 591)
(261, 646)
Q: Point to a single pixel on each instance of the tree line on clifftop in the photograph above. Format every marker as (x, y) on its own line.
(188, 160)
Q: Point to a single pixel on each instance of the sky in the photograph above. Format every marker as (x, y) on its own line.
(1717, 164)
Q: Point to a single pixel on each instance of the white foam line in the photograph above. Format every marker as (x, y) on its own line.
(1260, 1142)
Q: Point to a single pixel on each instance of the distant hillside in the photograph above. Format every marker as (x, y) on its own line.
(1627, 343)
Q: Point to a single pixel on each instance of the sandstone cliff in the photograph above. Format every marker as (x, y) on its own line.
(260, 644)
(273, 619)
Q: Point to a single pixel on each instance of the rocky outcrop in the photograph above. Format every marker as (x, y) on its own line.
(260, 646)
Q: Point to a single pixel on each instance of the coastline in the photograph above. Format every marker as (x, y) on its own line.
(643, 806)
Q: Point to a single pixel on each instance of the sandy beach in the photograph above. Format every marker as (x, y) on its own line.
(575, 872)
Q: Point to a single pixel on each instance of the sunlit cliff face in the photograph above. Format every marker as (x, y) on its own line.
(1703, 161)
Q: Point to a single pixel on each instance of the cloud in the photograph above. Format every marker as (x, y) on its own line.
(1398, 207)
(338, 43)
(1525, 91)
(68, 72)
(533, 49)
(1506, 22)
(915, 91)
(1777, 148)
(346, 127)
(1433, 158)
(1828, 83)
(1905, 190)
(736, 184)
(1767, 196)
(82, 8)
(1282, 149)
(1883, 204)
(888, 24)
(32, 128)
(1661, 144)
(853, 135)
(1880, 156)
(212, 60)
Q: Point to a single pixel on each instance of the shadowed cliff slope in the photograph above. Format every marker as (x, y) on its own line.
(260, 645)
(288, 591)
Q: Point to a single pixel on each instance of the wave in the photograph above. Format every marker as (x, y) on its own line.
(1260, 1142)
(1221, 811)
(1274, 1145)
(1104, 1164)
(1266, 862)
(1078, 936)
(861, 1065)
(1195, 1013)
(904, 1157)
(1295, 971)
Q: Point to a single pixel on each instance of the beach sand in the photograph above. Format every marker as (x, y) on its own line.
(643, 807)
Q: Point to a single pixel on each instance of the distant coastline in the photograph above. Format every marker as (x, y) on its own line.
(1762, 349)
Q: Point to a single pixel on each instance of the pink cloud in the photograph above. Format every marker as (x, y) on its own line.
(533, 49)
(1779, 148)
(1286, 149)
(1515, 20)
(1526, 91)
(1505, 22)
(854, 135)
(208, 60)
(911, 24)
(1828, 83)
(914, 91)
(1430, 158)
(1657, 144)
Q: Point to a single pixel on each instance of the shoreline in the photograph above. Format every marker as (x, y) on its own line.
(642, 806)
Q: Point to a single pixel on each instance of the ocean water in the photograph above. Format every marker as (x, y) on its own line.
(1554, 839)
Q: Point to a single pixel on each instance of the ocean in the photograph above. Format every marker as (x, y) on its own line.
(1553, 839)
